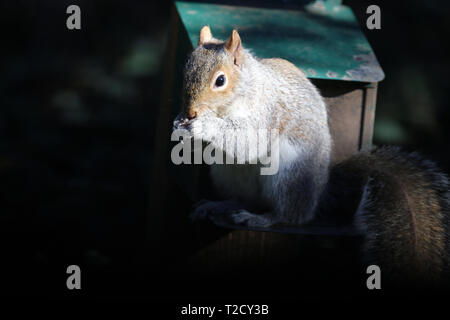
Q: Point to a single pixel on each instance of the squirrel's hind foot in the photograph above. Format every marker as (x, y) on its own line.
(207, 209)
(230, 212)
(252, 220)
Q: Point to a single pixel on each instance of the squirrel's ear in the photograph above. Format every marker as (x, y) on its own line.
(234, 47)
(205, 36)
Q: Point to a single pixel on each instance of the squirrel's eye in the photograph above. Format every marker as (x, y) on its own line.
(220, 80)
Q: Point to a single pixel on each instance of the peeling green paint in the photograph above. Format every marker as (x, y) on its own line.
(325, 42)
(312, 72)
(367, 67)
(332, 75)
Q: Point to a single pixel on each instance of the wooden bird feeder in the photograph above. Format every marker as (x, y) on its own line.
(323, 39)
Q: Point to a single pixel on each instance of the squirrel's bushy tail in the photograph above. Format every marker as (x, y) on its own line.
(403, 211)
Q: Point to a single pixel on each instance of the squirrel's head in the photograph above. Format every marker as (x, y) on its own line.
(211, 75)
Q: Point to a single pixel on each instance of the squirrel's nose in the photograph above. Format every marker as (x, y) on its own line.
(191, 114)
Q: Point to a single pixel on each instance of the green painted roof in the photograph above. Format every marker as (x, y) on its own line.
(325, 42)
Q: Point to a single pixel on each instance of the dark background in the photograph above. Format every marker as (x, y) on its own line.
(77, 120)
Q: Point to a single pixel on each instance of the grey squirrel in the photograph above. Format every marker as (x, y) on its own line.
(400, 201)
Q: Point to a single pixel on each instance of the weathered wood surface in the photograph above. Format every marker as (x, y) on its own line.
(226, 246)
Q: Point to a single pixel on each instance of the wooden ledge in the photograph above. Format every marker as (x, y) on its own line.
(231, 247)
(314, 228)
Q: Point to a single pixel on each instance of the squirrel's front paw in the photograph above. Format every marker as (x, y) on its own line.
(251, 220)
